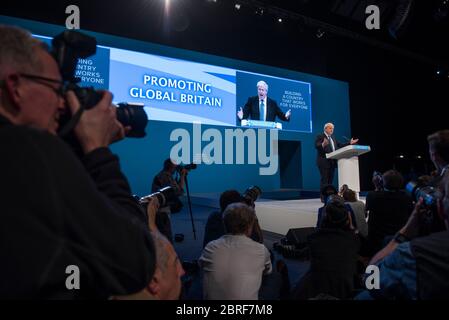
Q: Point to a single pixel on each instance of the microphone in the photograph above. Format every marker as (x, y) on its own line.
(346, 138)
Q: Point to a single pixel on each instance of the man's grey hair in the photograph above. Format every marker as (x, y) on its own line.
(238, 218)
(329, 124)
(262, 84)
(18, 51)
(162, 256)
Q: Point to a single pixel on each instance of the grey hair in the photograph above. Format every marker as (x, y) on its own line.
(238, 218)
(162, 255)
(18, 50)
(328, 124)
(262, 83)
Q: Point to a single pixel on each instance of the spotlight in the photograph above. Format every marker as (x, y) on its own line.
(237, 6)
(438, 72)
(280, 20)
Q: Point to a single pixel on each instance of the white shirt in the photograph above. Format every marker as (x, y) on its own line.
(233, 266)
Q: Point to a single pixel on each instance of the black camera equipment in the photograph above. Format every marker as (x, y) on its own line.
(67, 48)
(251, 195)
(431, 221)
(164, 196)
(187, 167)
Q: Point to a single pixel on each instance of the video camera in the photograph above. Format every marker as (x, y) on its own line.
(67, 48)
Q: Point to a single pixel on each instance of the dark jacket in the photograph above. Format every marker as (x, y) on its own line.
(388, 213)
(333, 265)
(57, 211)
(321, 159)
(251, 110)
(432, 265)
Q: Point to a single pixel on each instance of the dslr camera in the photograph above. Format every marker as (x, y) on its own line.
(67, 48)
(430, 195)
(187, 167)
(251, 195)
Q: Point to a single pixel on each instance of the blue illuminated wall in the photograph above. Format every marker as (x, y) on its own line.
(141, 159)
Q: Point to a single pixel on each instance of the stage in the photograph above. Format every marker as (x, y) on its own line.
(277, 211)
(277, 216)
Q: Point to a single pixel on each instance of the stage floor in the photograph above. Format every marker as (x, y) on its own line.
(277, 216)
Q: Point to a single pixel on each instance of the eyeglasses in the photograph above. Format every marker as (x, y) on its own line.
(59, 91)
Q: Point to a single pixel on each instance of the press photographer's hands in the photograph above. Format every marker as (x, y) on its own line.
(98, 127)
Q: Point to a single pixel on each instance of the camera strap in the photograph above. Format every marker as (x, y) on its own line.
(71, 123)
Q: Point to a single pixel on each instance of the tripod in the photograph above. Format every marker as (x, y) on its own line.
(190, 206)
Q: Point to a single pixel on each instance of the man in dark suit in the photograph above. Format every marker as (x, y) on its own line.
(326, 143)
(261, 107)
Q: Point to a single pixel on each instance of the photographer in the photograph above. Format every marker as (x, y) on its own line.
(59, 210)
(439, 153)
(165, 178)
(413, 267)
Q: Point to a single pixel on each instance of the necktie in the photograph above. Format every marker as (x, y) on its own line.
(332, 143)
(262, 110)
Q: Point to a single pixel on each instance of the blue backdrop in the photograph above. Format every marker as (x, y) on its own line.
(141, 159)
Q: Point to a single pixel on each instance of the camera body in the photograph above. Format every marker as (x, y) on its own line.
(188, 167)
(67, 48)
(430, 195)
(251, 194)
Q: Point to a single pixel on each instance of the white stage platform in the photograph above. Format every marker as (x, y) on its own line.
(279, 216)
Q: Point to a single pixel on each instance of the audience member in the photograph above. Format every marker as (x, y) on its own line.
(234, 264)
(388, 210)
(333, 256)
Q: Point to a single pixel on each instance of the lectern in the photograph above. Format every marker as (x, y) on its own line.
(261, 124)
(348, 165)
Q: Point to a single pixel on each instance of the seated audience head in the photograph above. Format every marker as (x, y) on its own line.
(30, 81)
(166, 281)
(349, 195)
(239, 219)
(439, 148)
(343, 189)
(377, 181)
(336, 214)
(393, 180)
(228, 197)
(326, 191)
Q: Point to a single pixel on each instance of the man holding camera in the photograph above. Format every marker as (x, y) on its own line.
(165, 178)
(414, 267)
(60, 212)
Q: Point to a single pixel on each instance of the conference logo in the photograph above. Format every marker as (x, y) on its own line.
(261, 146)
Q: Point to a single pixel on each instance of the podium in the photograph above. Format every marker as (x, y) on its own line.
(261, 124)
(348, 165)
